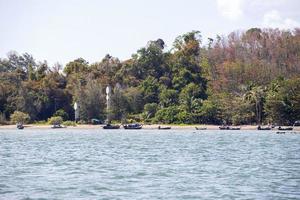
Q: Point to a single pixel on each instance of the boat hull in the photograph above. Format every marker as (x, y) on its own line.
(264, 128)
(20, 127)
(132, 126)
(229, 128)
(164, 128)
(58, 126)
(111, 127)
(285, 129)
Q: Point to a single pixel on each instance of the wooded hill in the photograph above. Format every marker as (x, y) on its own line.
(244, 78)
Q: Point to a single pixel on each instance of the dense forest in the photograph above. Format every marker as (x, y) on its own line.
(249, 77)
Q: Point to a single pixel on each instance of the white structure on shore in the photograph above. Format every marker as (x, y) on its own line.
(108, 101)
(76, 108)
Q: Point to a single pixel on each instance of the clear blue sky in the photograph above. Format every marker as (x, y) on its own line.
(63, 30)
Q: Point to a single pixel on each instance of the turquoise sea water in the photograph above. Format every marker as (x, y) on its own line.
(148, 164)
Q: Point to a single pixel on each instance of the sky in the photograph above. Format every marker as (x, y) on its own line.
(63, 30)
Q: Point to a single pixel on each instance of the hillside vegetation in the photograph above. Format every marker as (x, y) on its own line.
(244, 78)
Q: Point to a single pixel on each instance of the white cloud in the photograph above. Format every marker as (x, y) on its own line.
(231, 9)
(273, 19)
(266, 3)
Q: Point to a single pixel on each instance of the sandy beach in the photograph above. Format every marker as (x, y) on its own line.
(152, 126)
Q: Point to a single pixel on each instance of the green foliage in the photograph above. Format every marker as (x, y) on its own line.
(243, 112)
(41, 71)
(256, 96)
(189, 42)
(189, 93)
(135, 99)
(168, 97)
(167, 115)
(119, 105)
(55, 120)
(184, 117)
(229, 81)
(91, 100)
(178, 82)
(283, 102)
(69, 123)
(150, 90)
(31, 73)
(61, 113)
(149, 111)
(209, 112)
(19, 117)
(77, 66)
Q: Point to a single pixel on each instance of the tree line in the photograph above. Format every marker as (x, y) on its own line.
(249, 77)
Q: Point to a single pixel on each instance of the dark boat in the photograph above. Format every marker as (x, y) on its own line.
(57, 126)
(109, 126)
(200, 128)
(164, 128)
(132, 126)
(229, 128)
(224, 127)
(20, 126)
(264, 128)
(285, 129)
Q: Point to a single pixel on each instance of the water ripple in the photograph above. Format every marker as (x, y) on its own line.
(122, 164)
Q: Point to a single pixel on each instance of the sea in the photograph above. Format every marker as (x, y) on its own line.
(148, 164)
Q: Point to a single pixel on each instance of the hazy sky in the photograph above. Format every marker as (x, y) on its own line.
(63, 30)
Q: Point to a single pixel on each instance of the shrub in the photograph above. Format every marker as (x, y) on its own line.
(69, 123)
(167, 115)
(184, 117)
(55, 120)
(81, 122)
(61, 113)
(19, 117)
(149, 110)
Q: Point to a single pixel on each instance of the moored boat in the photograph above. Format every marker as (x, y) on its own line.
(200, 128)
(285, 128)
(263, 128)
(229, 128)
(57, 126)
(132, 126)
(224, 127)
(164, 128)
(110, 126)
(20, 126)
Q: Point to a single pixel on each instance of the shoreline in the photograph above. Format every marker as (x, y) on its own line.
(147, 127)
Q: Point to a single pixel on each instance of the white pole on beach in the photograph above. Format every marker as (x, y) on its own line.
(108, 103)
(76, 108)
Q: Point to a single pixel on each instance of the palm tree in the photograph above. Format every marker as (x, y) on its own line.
(256, 96)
